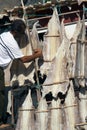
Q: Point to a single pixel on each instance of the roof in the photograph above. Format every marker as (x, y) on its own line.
(32, 4)
(39, 11)
(8, 4)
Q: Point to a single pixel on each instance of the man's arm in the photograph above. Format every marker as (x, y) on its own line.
(37, 53)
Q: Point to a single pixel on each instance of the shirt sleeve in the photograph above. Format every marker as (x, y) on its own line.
(16, 52)
(12, 47)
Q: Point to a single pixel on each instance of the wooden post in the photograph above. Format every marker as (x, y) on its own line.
(35, 65)
(12, 100)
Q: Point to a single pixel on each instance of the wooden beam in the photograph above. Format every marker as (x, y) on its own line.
(55, 83)
(52, 35)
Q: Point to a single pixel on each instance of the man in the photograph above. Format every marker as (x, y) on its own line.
(9, 50)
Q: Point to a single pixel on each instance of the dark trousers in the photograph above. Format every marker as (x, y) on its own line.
(2, 95)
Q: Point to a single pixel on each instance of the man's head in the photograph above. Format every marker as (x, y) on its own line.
(18, 26)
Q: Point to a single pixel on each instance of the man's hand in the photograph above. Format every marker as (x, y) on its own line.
(38, 52)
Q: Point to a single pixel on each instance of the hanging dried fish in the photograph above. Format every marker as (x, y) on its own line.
(52, 38)
(72, 50)
(34, 36)
(56, 116)
(58, 71)
(52, 41)
(80, 56)
(58, 74)
(81, 74)
(35, 40)
(83, 107)
(26, 115)
(71, 109)
(57, 82)
(42, 115)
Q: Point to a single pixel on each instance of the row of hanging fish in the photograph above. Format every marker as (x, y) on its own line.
(22, 74)
(64, 63)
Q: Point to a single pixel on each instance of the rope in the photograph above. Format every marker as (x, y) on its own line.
(52, 35)
(27, 109)
(55, 83)
(49, 109)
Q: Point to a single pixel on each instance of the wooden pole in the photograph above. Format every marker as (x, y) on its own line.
(12, 101)
(35, 65)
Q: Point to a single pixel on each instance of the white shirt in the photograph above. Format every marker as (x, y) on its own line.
(9, 49)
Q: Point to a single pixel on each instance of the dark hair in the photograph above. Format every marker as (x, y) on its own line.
(18, 25)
